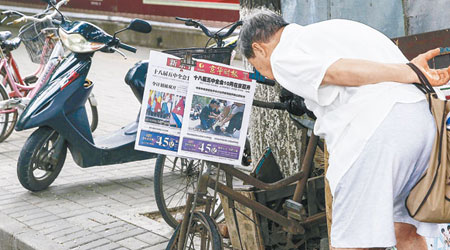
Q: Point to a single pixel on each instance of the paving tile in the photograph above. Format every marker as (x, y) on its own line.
(116, 231)
(30, 210)
(70, 235)
(109, 246)
(13, 204)
(126, 234)
(106, 227)
(132, 243)
(93, 244)
(159, 246)
(58, 235)
(151, 238)
(56, 228)
(40, 220)
(23, 206)
(77, 210)
(49, 224)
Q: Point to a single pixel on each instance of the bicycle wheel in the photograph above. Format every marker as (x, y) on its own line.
(4, 117)
(7, 120)
(174, 177)
(203, 234)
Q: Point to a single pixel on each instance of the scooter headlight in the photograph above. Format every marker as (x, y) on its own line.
(77, 43)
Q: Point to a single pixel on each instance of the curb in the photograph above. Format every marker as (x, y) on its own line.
(16, 236)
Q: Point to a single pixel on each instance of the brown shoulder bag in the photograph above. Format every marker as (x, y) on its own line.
(429, 199)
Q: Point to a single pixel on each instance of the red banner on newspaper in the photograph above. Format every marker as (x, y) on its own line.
(176, 63)
(222, 71)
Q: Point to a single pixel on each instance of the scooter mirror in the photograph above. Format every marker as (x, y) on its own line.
(140, 25)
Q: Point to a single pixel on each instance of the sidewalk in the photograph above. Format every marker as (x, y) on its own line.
(94, 208)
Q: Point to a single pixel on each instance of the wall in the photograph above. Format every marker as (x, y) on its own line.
(394, 18)
(226, 10)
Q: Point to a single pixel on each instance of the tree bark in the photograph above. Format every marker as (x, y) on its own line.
(251, 4)
(271, 128)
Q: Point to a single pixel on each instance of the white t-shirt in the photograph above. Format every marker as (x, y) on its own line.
(236, 109)
(346, 116)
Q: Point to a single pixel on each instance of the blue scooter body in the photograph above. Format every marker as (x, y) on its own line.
(60, 104)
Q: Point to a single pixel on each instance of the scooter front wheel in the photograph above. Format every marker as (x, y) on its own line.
(41, 159)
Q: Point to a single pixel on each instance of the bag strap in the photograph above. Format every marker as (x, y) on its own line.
(425, 84)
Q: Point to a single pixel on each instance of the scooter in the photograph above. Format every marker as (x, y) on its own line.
(58, 110)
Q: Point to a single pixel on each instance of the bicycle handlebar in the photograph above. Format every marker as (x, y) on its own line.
(271, 105)
(25, 18)
(230, 30)
(260, 78)
(208, 33)
(188, 22)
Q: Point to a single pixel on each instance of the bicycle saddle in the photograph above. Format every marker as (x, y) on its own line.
(12, 44)
(5, 35)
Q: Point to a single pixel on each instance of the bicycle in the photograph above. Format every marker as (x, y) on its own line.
(289, 216)
(38, 51)
(43, 47)
(182, 171)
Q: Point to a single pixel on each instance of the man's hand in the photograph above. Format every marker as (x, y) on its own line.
(436, 77)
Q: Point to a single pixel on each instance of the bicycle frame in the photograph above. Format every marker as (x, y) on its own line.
(42, 63)
(18, 88)
(290, 225)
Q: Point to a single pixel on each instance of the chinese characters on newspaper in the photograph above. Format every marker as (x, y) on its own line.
(163, 105)
(199, 112)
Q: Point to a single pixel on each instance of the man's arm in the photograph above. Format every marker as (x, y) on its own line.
(356, 72)
(227, 119)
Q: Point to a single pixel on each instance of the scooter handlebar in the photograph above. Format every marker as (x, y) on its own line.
(127, 47)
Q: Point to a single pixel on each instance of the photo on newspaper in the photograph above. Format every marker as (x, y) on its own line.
(442, 240)
(443, 92)
(163, 104)
(216, 116)
(217, 113)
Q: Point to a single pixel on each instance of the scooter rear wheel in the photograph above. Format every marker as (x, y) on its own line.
(36, 168)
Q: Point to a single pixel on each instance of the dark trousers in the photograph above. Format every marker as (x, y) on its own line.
(235, 122)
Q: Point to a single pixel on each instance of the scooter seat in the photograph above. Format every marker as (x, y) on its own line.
(136, 77)
(12, 44)
(5, 35)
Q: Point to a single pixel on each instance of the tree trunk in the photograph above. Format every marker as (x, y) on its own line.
(251, 4)
(271, 128)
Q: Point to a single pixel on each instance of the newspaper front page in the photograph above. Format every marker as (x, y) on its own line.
(218, 107)
(163, 104)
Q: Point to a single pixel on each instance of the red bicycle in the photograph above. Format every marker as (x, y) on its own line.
(44, 48)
